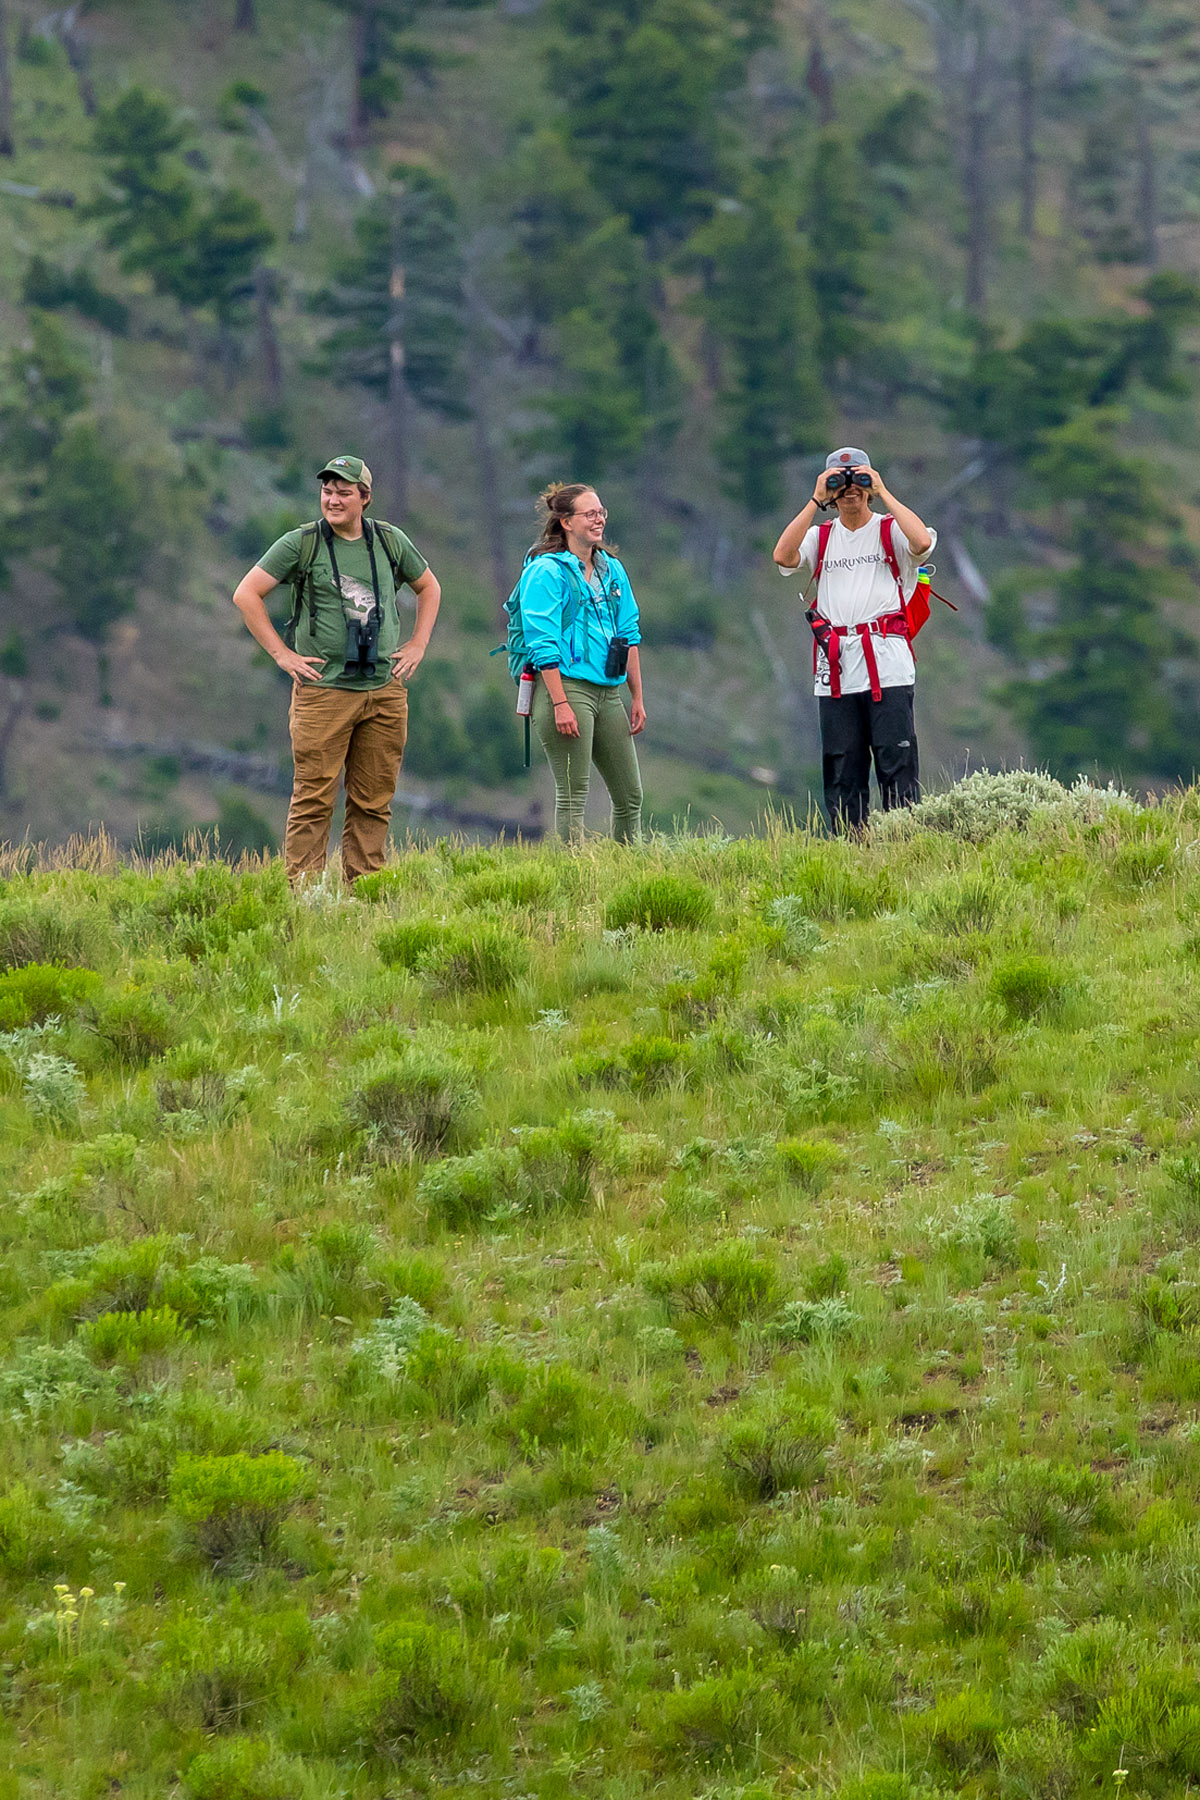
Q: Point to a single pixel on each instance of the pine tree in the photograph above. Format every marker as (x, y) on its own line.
(588, 288)
(1099, 660)
(94, 516)
(417, 229)
(199, 248)
(49, 384)
(643, 83)
(839, 238)
(758, 304)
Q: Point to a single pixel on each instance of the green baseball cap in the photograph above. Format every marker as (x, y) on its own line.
(347, 468)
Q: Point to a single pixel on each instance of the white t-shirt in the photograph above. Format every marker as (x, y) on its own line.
(857, 585)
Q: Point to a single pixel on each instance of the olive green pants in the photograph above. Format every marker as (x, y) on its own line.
(604, 739)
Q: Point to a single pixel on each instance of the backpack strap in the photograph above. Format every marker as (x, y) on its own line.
(310, 543)
(886, 526)
(814, 580)
(383, 532)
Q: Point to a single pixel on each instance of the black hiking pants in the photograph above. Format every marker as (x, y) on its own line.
(853, 729)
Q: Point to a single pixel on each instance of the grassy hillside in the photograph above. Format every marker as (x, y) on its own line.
(721, 1320)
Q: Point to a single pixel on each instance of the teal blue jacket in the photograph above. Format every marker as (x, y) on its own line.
(566, 627)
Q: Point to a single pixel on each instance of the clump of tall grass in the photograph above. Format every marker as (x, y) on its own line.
(724, 1286)
(660, 903)
(483, 959)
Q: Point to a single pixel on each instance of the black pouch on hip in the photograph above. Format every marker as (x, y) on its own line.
(617, 660)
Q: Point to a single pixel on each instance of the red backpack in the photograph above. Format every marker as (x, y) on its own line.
(906, 622)
(916, 610)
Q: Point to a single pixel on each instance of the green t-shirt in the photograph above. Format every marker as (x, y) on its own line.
(334, 612)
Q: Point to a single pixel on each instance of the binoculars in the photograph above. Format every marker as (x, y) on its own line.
(617, 660)
(362, 646)
(839, 480)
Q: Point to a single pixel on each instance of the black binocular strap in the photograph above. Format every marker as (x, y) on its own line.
(369, 534)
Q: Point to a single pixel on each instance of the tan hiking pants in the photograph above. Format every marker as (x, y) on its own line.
(335, 730)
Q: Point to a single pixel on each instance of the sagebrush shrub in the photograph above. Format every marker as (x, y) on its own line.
(423, 1098)
(246, 1769)
(815, 1321)
(217, 1670)
(429, 1690)
(792, 934)
(35, 992)
(723, 1286)
(550, 1169)
(385, 1349)
(725, 1716)
(660, 903)
(776, 1449)
(234, 1507)
(1040, 1506)
(136, 1026)
(43, 1380)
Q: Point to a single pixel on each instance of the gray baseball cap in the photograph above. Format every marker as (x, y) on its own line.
(849, 458)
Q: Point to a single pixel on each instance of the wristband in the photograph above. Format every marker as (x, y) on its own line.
(559, 703)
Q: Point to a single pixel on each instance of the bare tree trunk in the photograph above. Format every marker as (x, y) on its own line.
(7, 146)
(1147, 178)
(362, 32)
(975, 181)
(397, 387)
(8, 727)
(817, 80)
(490, 504)
(1026, 72)
(79, 59)
(245, 16)
(269, 360)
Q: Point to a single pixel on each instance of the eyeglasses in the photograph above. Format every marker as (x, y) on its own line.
(596, 517)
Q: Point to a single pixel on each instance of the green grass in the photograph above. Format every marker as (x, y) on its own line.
(467, 1340)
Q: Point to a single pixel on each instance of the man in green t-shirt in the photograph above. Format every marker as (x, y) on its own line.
(349, 710)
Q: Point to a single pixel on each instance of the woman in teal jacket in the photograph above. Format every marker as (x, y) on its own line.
(580, 621)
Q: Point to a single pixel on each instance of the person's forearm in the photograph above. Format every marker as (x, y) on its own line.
(554, 686)
(633, 671)
(429, 599)
(258, 621)
(915, 530)
(787, 550)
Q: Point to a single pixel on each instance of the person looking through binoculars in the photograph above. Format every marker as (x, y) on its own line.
(349, 711)
(867, 603)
